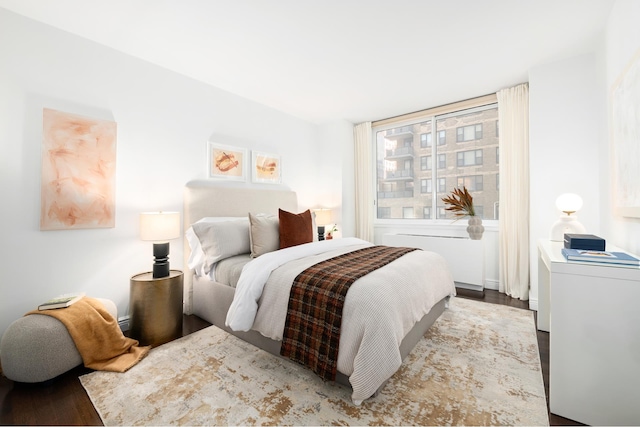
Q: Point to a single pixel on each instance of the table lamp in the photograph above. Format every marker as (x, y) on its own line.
(569, 204)
(160, 227)
(323, 218)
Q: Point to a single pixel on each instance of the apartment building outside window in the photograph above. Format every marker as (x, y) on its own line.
(465, 154)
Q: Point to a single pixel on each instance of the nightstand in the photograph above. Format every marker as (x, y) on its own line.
(155, 307)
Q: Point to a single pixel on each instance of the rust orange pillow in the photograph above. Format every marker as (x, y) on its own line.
(295, 229)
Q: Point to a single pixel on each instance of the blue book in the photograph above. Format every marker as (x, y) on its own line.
(602, 257)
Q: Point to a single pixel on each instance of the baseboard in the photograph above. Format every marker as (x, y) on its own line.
(488, 284)
(469, 286)
(123, 322)
(533, 304)
(492, 284)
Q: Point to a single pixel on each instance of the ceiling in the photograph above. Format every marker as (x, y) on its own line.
(329, 60)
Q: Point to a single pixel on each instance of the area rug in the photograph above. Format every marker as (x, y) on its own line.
(478, 365)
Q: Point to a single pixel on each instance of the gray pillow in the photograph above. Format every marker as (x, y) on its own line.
(264, 235)
(220, 240)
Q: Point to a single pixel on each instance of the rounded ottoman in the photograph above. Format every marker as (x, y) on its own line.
(37, 348)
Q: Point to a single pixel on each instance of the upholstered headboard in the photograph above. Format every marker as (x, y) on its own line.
(213, 198)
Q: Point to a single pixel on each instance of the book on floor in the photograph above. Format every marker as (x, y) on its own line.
(600, 257)
(62, 301)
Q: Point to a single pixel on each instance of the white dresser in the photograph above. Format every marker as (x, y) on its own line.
(593, 317)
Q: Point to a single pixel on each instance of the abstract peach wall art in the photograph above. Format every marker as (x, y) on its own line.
(78, 172)
(226, 162)
(266, 168)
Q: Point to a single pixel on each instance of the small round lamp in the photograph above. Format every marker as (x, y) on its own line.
(568, 204)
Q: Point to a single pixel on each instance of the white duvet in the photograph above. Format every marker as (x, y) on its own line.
(379, 309)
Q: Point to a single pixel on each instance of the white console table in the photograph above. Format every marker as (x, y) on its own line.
(592, 315)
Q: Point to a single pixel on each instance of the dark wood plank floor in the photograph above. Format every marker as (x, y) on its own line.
(63, 401)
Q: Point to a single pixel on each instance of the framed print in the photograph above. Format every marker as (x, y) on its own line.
(625, 134)
(78, 178)
(266, 168)
(227, 162)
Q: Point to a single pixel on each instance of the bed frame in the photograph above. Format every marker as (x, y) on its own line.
(211, 300)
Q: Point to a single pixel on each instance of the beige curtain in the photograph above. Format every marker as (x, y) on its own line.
(513, 235)
(363, 181)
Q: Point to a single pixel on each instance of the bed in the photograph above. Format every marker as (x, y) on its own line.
(358, 365)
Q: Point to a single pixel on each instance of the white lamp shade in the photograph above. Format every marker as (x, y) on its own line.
(159, 226)
(569, 202)
(323, 216)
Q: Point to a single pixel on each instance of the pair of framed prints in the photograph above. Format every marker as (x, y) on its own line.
(231, 163)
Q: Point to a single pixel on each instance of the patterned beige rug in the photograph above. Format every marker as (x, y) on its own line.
(478, 365)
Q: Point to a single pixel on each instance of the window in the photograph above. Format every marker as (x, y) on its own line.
(444, 162)
(384, 212)
(424, 162)
(469, 133)
(407, 212)
(425, 185)
(473, 183)
(425, 140)
(469, 158)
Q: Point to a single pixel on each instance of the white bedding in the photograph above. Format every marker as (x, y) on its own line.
(379, 310)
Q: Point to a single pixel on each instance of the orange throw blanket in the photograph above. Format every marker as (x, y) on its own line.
(97, 336)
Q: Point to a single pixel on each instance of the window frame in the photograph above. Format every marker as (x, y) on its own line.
(430, 115)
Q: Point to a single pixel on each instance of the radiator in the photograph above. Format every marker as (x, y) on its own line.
(464, 256)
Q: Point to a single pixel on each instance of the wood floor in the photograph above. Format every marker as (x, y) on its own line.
(63, 401)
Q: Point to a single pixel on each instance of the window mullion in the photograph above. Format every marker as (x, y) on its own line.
(434, 169)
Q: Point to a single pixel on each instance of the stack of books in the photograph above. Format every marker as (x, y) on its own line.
(615, 259)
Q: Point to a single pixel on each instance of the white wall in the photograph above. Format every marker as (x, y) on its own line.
(621, 45)
(164, 121)
(565, 122)
(336, 174)
(570, 114)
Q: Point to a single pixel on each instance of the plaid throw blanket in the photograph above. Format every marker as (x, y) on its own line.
(314, 315)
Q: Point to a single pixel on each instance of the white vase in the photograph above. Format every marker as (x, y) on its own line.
(475, 228)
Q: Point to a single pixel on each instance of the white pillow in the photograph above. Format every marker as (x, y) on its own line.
(264, 234)
(314, 226)
(214, 238)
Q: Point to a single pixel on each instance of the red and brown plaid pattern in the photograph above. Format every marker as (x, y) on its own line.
(314, 316)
